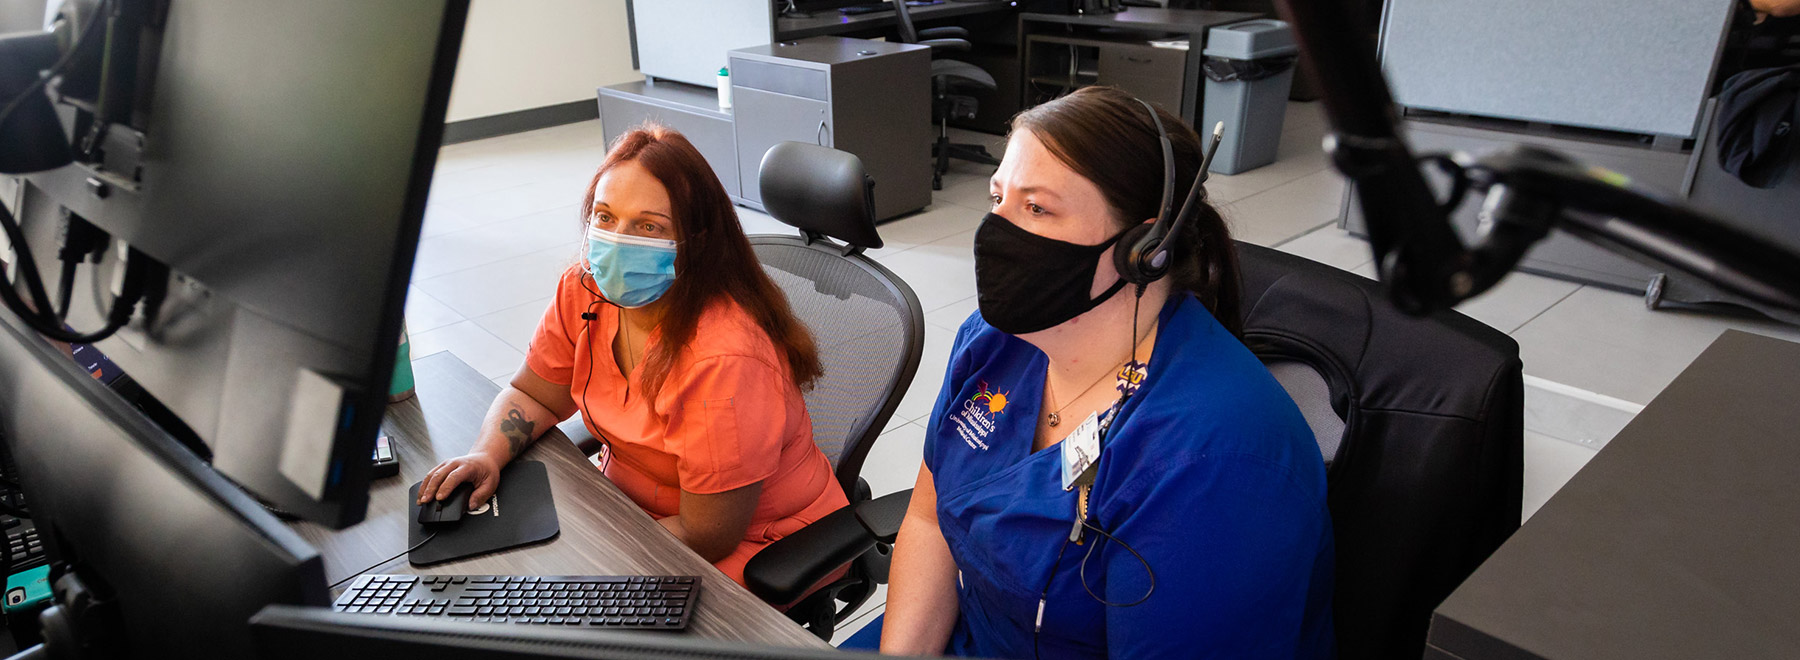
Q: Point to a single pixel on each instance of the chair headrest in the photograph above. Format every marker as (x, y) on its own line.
(820, 190)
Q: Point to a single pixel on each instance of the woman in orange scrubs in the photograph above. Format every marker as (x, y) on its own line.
(683, 359)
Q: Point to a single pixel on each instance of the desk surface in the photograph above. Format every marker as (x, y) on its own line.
(830, 22)
(1188, 21)
(603, 531)
(1676, 541)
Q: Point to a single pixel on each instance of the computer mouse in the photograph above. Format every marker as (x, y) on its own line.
(447, 510)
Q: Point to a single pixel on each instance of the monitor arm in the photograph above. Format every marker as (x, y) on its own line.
(31, 136)
(1528, 191)
(80, 624)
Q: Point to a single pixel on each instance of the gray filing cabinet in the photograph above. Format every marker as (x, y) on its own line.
(1063, 62)
(692, 110)
(1150, 73)
(869, 98)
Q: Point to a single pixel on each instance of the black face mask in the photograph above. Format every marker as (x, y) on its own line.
(1026, 283)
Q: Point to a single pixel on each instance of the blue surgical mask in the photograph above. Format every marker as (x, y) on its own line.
(631, 271)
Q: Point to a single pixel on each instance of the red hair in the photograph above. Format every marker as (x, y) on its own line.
(711, 242)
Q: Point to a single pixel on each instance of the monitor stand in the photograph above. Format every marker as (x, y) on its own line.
(78, 624)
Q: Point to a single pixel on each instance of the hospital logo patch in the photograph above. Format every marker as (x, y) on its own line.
(975, 420)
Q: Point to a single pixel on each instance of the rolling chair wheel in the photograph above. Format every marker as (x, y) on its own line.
(1653, 294)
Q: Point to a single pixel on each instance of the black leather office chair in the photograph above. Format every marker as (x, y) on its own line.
(950, 82)
(1421, 422)
(870, 332)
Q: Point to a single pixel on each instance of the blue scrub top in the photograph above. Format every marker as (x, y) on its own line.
(1210, 473)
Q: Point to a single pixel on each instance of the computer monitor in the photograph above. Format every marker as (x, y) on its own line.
(174, 559)
(274, 156)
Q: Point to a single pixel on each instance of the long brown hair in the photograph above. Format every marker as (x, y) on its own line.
(1105, 135)
(713, 259)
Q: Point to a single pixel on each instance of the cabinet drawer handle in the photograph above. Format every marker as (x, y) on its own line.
(1129, 58)
(819, 135)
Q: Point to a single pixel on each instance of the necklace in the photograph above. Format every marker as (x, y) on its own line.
(1056, 417)
(629, 361)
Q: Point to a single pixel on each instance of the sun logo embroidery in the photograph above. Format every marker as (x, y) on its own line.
(994, 401)
(975, 420)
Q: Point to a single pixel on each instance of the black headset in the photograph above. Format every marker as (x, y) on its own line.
(1143, 253)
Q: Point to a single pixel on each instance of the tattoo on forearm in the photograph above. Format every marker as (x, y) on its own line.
(518, 430)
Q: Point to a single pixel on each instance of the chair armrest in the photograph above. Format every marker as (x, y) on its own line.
(782, 572)
(942, 32)
(942, 45)
(882, 516)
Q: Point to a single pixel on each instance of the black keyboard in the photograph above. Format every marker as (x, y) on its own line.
(640, 602)
(22, 542)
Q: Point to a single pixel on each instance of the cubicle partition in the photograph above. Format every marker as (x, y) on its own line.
(1619, 83)
(1631, 66)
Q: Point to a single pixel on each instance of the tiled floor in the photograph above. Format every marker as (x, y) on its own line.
(501, 224)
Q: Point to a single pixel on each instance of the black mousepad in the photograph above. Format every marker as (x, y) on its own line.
(520, 512)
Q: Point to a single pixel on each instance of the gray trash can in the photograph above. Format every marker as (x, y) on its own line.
(1249, 68)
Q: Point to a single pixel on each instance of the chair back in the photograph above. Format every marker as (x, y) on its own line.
(1421, 424)
(908, 33)
(865, 320)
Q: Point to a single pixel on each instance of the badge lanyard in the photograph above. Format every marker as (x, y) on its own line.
(1081, 451)
(605, 455)
(1129, 379)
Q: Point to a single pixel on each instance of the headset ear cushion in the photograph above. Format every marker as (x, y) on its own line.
(1129, 255)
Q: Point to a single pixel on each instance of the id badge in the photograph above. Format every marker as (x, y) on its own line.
(1079, 451)
(604, 458)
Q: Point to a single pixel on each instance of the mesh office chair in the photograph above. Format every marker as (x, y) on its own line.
(1421, 422)
(870, 332)
(950, 82)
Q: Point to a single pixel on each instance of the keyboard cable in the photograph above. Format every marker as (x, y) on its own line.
(427, 539)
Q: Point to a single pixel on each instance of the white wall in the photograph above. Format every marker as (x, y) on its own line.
(23, 15)
(522, 54)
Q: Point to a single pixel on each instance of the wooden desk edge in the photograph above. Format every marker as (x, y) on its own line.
(444, 379)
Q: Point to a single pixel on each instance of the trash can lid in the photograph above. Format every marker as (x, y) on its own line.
(1263, 37)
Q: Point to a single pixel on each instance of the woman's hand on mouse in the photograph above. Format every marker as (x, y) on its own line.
(477, 468)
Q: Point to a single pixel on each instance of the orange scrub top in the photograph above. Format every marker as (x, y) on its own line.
(728, 416)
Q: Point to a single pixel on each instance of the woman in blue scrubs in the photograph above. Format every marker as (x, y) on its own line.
(1203, 529)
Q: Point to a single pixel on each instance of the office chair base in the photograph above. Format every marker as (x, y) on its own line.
(821, 611)
(817, 615)
(945, 150)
